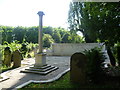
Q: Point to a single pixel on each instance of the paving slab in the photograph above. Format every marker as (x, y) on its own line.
(15, 78)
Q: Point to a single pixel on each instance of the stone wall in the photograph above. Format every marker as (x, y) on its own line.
(67, 49)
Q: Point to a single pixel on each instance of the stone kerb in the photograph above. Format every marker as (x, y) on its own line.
(68, 49)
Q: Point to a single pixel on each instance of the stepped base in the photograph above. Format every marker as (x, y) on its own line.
(43, 70)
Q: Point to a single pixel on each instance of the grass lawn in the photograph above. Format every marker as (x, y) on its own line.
(64, 82)
(4, 68)
(1, 77)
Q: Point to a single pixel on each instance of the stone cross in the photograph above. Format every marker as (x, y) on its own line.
(40, 66)
(40, 57)
(40, 13)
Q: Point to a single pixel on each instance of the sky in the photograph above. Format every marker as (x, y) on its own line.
(24, 12)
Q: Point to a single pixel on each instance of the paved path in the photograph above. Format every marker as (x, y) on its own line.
(16, 78)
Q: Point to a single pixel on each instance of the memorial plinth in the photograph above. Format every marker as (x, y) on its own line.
(40, 66)
(40, 59)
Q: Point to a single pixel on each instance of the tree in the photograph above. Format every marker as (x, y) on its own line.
(32, 34)
(65, 38)
(47, 40)
(6, 33)
(74, 38)
(56, 36)
(19, 33)
(0, 36)
(9, 34)
(95, 20)
(48, 30)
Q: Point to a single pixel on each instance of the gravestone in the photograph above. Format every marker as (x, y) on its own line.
(16, 59)
(78, 68)
(7, 56)
(35, 51)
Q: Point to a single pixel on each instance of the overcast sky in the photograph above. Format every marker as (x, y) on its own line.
(24, 12)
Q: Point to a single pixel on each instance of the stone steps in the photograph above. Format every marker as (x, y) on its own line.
(43, 67)
(40, 70)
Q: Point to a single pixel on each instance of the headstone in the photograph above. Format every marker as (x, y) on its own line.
(16, 59)
(78, 68)
(35, 51)
(7, 57)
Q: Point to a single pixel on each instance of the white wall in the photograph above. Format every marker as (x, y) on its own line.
(67, 49)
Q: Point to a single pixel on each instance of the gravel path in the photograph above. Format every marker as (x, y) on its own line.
(16, 78)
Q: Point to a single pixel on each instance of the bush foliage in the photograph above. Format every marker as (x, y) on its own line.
(30, 35)
(95, 59)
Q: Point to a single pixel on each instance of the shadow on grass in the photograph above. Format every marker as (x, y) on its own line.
(7, 69)
(64, 82)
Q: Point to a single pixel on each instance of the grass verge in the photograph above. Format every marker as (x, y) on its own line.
(64, 82)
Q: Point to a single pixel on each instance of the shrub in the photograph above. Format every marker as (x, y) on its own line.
(31, 46)
(13, 45)
(95, 59)
(47, 40)
(24, 49)
(118, 54)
